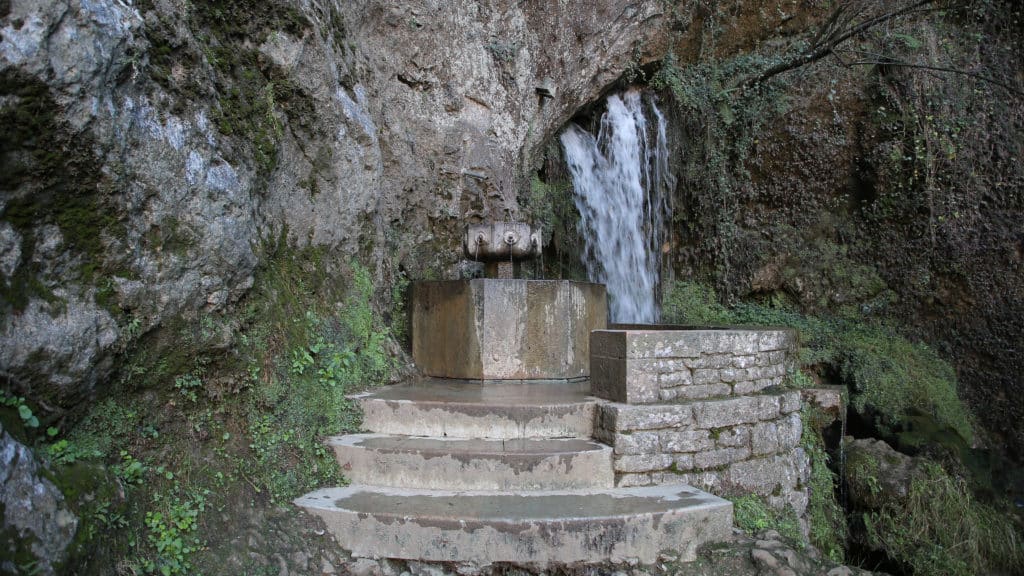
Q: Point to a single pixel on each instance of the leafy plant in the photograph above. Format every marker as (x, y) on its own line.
(752, 514)
(28, 419)
(187, 385)
(130, 470)
(171, 531)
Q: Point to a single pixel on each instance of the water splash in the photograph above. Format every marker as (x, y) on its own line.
(622, 187)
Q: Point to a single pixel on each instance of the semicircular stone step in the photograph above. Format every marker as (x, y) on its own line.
(474, 464)
(480, 409)
(526, 527)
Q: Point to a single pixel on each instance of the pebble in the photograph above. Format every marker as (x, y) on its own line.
(764, 558)
(840, 571)
(364, 567)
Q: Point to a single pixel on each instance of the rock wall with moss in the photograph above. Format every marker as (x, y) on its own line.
(883, 182)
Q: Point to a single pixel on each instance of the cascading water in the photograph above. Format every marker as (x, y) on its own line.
(622, 190)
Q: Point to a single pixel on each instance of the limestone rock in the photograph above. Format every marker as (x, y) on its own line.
(33, 510)
(876, 473)
(399, 119)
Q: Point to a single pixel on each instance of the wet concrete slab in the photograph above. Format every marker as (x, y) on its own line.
(469, 446)
(481, 409)
(473, 463)
(462, 391)
(534, 526)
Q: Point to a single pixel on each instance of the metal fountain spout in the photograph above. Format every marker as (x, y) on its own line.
(501, 246)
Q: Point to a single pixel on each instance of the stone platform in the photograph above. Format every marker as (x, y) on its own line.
(470, 471)
(537, 527)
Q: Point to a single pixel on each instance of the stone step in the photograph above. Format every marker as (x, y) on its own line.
(481, 409)
(474, 464)
(525, 527)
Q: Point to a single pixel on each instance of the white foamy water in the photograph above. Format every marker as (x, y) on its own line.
(622, 182)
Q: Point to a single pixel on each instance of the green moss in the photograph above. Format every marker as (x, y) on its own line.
(551, 208)
(941, 529)
(312, 343)
(828, 531)
(52, 182)
(889, 377)
(752, 514)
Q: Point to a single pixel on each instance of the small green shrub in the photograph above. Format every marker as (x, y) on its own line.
(171, 531)
(188, 385)
(106, 427)
(28, 419)
(941, 529)
(752, 514)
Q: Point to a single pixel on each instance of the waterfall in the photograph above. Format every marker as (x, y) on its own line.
(622, 190)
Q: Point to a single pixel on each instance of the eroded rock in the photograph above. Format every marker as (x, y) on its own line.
(36, 523)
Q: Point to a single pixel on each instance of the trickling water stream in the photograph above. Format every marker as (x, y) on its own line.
(622, 182)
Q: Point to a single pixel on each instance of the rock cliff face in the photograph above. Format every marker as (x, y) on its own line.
(152, 149)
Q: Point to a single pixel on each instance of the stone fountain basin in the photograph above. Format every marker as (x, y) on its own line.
(506, 329)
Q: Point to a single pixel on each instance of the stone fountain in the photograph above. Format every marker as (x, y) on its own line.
(495, 453)
(501, 327)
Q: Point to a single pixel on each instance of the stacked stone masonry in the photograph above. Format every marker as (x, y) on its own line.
(651, 366)
(704, 407)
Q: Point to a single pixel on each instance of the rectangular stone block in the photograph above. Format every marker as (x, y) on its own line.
(706, 376)
(664, 366)
(505, 329)
(828, 399)
(623, 380)
(683, 463)
(771, 340)
(735, 342)
(744, 361)
(734, 437)
(790, 401)
(747, 387)
(628, 417)
(676, 441)
(791, 429)
(706, 347)
(729, 412)
(701, 392)
(631, 480)
(764, 438)
(671, 379)
(728, 375)
(768, 407)
(719, 457)
(643, 462)
(637, 443)
(711, 361)
(664, 344)
(608, 343)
